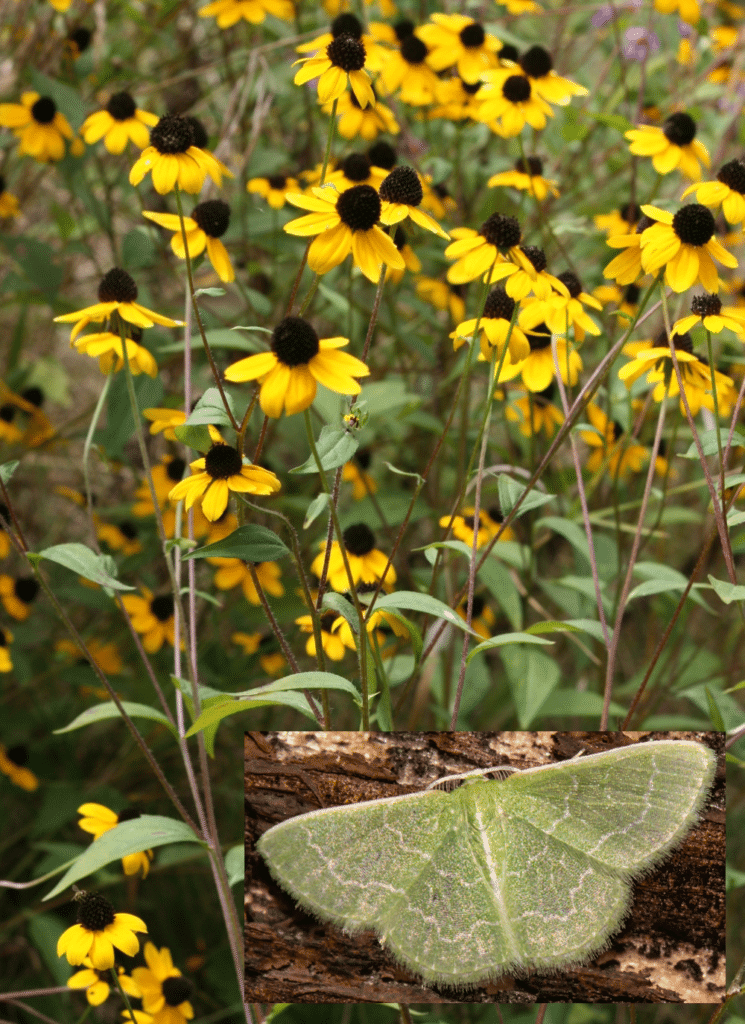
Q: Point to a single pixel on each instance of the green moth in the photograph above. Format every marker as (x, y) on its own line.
(531, 872)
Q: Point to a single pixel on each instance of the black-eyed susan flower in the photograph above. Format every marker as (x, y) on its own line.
(688, 10)
(565, 312)
(620, 221)
(232, 572)
(78, 41)
(626, 268)
(530, 275)
(355, 169)
(118, 123)
(609, 446)
(13, 765)
(527, 176)
(654, 359)
(163, 421)
(18, 595)
(407, 71)
(537, 65)
(9, 430)
(216, 474)
(174, 159)
(345, 222)
(728, 190)
(230, 12)
(490, 522)
(273, 188)
(98, 819)
(342, 65)
(332, 643)
(402, 194)
(105, 655)
(271, 660)
(442, 296)
(250, 642)
(297, 363)
(21, 417)
(97, 983)
(107, 348)
(165, 991)
(165, 475)
(455, 40)
(41, 128)
(117, 293)
(672, 146)
(8, 202)
(383, 155)
(483, 619)
(6, 638)
(684, 244)
(494, 327)
(366, 562)
(535, 412)
(98, 930)
(208, 223)
(355, 121)
(412, 262)
(708, 310)
(509, 102)
(477, 252)
(456, 100)
(119, 536)
(152, 618)
(537, 370)
(355, 472)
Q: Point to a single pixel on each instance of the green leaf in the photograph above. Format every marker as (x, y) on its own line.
(101, 712)
(496, 577)
(507, 638)
(727, 592)
(402, 472)
(510, 491)
(197, 438)
(415, 602)
(709, 444)
(617, 121)
(334, 447)
(143, 833)
(81, 560)
(235, 864)
(214, 293)
(553, 626)
(716, 715)
(7, 470)
(532, 676)
(315, 508)
(210, 411)
(570, 530)
(251, 543)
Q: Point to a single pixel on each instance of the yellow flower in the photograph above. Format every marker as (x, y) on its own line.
(356, 473)
(366, 562)
(527, 176)
(494, 327)
(297, 362)
(537, 65)
(684, 245)
(98, 931)
(406, 69)
(164, 989)
(12, 764)
(229, 12)
(107, 348)
(622, 456)
(8, 202)
(687, 10)
(232, 572)
(620, 221)
(222, 471)
(332, 643)
(483, 618)
(364, 122)
(120, 122)
(626, 268)
(490, 522)
(116, 293)
(708, 310)
(6, 637)
(98, 819)
(509, 102)
(566, 312)
(208, 222)
(97, 986)
(355, 169)
(273, 188)
(442, 296)
(455, 39)
(728, 189)
(535, 412)
(476, 252)
(345, 222)
(17, 595)
(152, 617)
(105, 655)
(456, 100)
(537, 370)
(119, 536)
(673, 145)
(342, 65)
(174, 159)
(41, 128)
(402, 194)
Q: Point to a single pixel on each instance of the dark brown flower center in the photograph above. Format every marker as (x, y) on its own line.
(509, 52)
(121, 106)
(402, 185)
(128, 814)
(631, 213)
(175, 469)
(539, 337)
(95, 912)
(472, 36)
(359, 207)
(277, 181)
(694, 224)
(200, 133)
(536, 256)
(213, 217)
(294, 342)
(413, 50)
(162, 607)
(403, 29)
(516, 89)
(501, 231)
(346, 25)
(532, 165)
(631, 295)
(706, 305)
(128, 530)
(18, 755)
(382, 155)
(176, 990)
(359, 539)
(499, 305)
(733, 176)
(222, 461)
(26, 588)
(347, 53)
(680, 129)
(43, 110)
(477, 606)
(572, 282)
(356, 167)
(81, 38)
(172, 134)
(536, 62)
(117, 286)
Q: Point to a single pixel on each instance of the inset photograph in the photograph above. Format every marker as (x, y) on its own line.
(484, 867)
